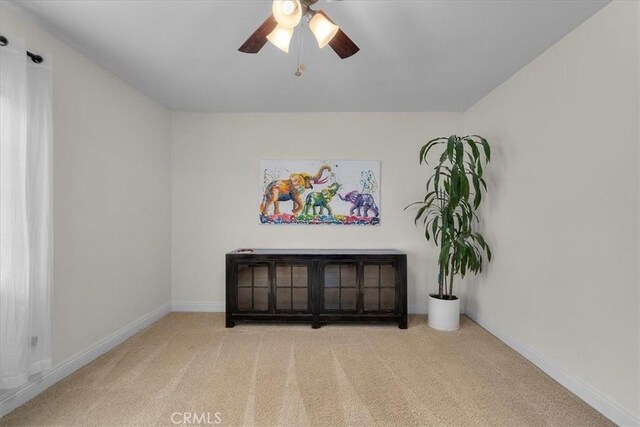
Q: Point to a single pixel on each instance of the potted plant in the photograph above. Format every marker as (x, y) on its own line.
(448, 214)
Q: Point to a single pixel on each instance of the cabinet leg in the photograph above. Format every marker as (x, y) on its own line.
(315, 325)
(230, 323)
(403, 324)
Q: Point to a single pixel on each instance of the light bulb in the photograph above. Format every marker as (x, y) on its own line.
(281, 37)
(288, 7)
(323, 29)
(287, 12)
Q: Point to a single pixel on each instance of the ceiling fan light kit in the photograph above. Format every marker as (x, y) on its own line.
(281, 37)
(278, 29)
(323, 29)
(288, 13)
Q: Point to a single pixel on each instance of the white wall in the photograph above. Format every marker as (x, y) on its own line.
(111, 196)
(562, 212)
(215, 162)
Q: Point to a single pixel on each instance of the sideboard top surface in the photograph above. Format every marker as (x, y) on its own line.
(318, 252)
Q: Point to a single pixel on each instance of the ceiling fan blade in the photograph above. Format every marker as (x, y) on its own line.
(259, 38)
(341, 43)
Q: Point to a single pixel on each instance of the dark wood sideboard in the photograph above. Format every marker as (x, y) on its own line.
(316, 286)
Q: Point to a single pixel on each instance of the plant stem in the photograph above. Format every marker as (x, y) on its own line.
(441, 277)
(451, 278)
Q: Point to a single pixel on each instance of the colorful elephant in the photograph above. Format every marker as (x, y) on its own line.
(360, 201)
(321, 199)
(283, 190)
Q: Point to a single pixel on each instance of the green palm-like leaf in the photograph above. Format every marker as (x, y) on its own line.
(474, 149)
(451, 143)
(459, 149)
(477, 194)
(448, 211)
(487, 148)
(419, 214)
(424, 151)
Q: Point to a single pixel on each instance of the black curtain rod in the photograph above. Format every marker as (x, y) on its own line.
(35, 58)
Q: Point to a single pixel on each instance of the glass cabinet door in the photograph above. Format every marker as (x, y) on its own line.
(379, 287)
(340, 286)
(292, 288)
(253, 287)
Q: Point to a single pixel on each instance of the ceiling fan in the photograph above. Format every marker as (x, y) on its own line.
(279, 26)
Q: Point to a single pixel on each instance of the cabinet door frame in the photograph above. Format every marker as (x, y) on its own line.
(274, 287)
(396, 286)
(321, 287)
(236, 288)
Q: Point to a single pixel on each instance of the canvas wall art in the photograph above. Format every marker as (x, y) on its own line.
(338, 192)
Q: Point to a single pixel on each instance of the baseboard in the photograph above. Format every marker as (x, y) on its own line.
(197, 306)
(417, 309)
(584, 391)
(78, 360)
(218, 307)
(422, 309)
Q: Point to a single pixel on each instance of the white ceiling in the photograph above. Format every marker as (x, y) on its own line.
(415, 55)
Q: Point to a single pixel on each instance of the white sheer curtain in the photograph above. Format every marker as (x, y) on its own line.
(25, 215)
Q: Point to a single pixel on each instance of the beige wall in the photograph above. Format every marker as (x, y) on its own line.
(111, 202)
(215, 162)
(562, 212)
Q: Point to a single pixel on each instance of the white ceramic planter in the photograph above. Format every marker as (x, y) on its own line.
(443, 314)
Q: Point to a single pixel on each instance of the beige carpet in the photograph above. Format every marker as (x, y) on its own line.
(269, 375)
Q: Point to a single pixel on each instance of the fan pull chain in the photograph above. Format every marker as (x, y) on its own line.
(301, 66)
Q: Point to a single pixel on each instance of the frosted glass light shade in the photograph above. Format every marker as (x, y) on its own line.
(287, 12)
(323, 29)
(281, 37)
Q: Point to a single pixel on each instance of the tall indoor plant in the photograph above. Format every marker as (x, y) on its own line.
(448, 214)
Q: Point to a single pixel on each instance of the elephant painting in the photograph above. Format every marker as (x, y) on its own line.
(318, 192)
(361, 203)
(321, 199)
(283, 190)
